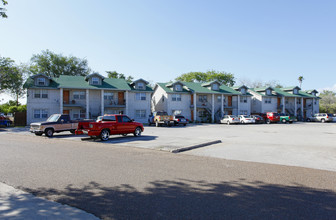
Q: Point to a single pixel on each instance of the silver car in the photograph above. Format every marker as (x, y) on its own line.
(230, 119)
(246, 119)
(322, 117)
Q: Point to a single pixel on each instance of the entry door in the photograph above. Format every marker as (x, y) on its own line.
(230, 112)
(66, 96)
(230, 101)
(121, 98)
(66, 112)
(192, 99)
(279, 101)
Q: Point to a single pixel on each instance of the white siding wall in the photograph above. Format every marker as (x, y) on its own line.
(94, 103)
(246, 106)
(158, 103)
(134, 105)
(270, 107)
(183, 105)
(51, 104)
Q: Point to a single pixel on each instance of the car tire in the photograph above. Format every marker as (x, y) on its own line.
(49, 132)
(149, 123)
(228, 122)
(308, 120)
(137, 132)
(284, 121)
(38, 133)
(72, 131)
(156, 124)
(268, 121)
(322, 120)
(104, 135)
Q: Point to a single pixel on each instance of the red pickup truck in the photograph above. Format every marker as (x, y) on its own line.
(111, 125)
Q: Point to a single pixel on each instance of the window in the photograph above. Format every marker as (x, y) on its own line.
(108, 96)
(243, 99)
(140, 113)
(41, 93)
(295, 91)
(176, 97)
(82, 113)
(178, 87)
(109, 118)
(140, 96)
(298, 101)
(215, 86)
(126, 119)
(141, 85)
(41, 81)
(268, 100)
(79, 95)
(40, 113)
(243, 112)
(243, 91)
(202, 113)
(219, 98)
(202, 98)
(268, 92)
(95, 81)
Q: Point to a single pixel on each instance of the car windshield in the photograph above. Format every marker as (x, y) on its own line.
(53, 118)
(179, 116)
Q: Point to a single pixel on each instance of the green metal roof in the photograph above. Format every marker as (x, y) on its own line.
(259, 90)
(79, 82)
(168, 90)
(286, 94)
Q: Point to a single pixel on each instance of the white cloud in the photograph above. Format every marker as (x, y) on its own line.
(332, 88)
(5, 98)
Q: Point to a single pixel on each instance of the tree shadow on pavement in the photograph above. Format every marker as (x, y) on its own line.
(184, 199)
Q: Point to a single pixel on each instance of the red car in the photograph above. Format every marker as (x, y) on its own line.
(272, 117)
(111, 125)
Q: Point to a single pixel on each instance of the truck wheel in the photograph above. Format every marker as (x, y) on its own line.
(284, 121)
(104, 135)
(137, 132)
(322, 120)
(49, 132)
(157, 124)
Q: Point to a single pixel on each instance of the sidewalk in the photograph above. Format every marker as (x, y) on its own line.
(16, 204)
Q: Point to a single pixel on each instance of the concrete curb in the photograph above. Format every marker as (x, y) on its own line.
(178, 150)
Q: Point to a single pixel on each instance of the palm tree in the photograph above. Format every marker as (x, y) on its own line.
(300, 80)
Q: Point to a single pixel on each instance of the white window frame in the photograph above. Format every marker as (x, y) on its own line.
(40, 94)
(141, 85)
(40, 113)
(268, 92)
(203, 98)
(176, 97)
(243, 99)
(108, 95)
(41, 81)
(243, 91)
(219, 98)
(95, 81)
(140, 96)
(79, 95)
(140, 113)
(215, 86)
(268, 100)
(176, 112)
(178, 87)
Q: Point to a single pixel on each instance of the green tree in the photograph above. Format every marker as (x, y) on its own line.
(328, 101)
(221, 76)
(300, 79)
(116, 75)
(54, 65)
(3, 10)
(11, 78)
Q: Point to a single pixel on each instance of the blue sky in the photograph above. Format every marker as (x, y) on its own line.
(159, 40)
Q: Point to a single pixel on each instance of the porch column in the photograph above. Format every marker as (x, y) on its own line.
(222, 106)
(87, 115)
(302, 107)
(102, 102)
(61, 101)
(283, 105)
(195, 108)
(238, 106)
(126, 100)
(295, 107)
(213, 108)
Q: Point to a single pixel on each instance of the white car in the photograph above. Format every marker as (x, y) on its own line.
(230, 119)
(246, 119)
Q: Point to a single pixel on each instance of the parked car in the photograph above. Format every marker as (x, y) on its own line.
(180, 120)
(5, 121)
(230, 119)
(272, 117)
(258, 119)
(55, 123)
(111, 125)
(321, 117)
(246, 119)
(161, 118)
(284, 118)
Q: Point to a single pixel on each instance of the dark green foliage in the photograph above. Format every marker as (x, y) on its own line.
(221, 76)
(116, 75)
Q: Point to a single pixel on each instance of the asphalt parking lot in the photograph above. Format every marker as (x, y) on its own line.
(311, 145)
